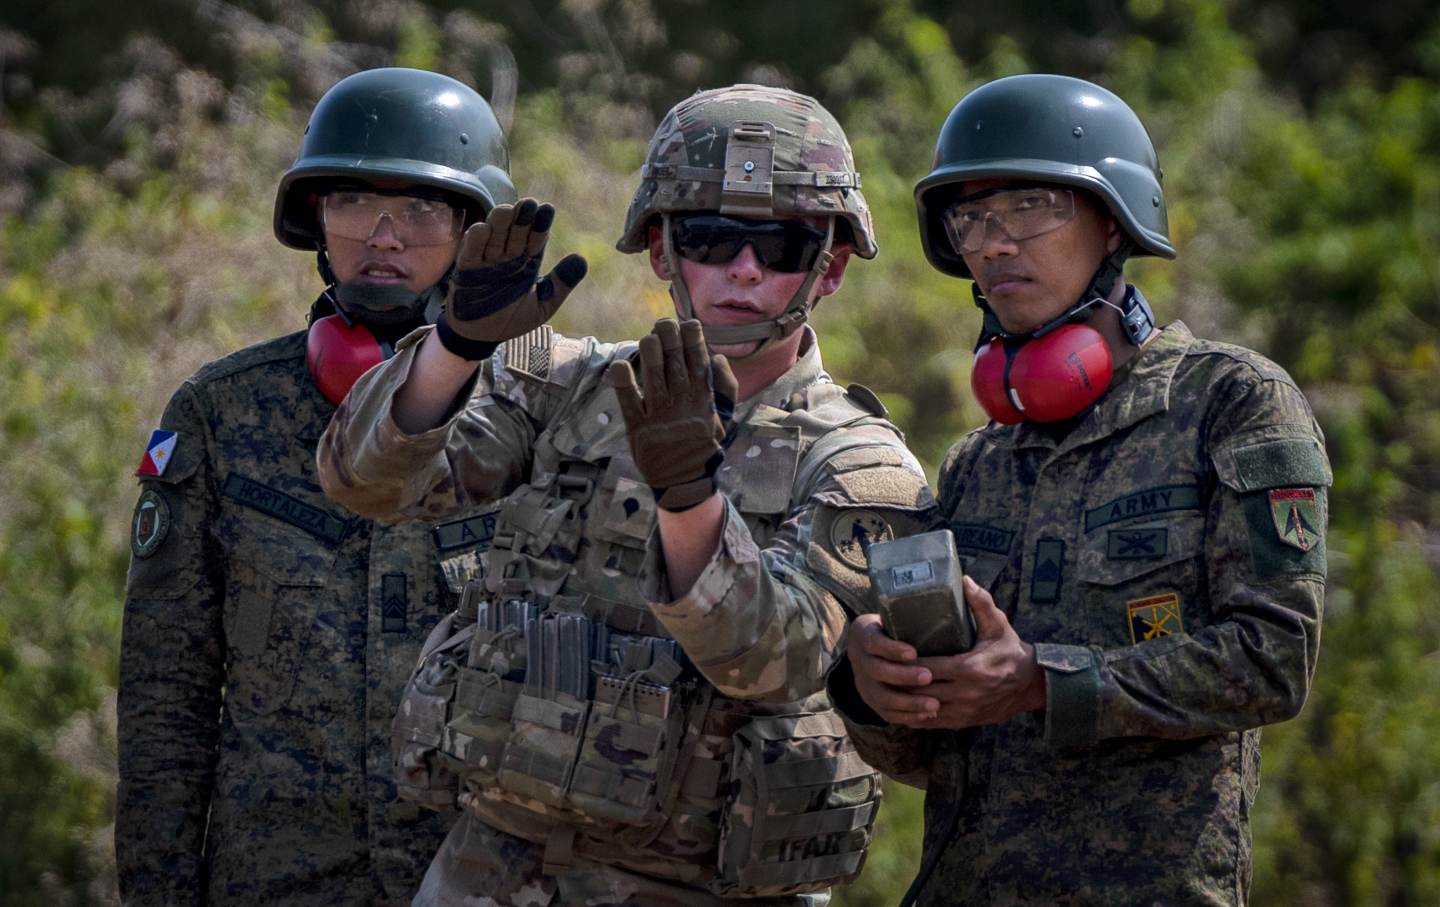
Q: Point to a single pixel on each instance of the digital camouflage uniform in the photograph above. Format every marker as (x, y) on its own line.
(811, 473)
(268, 634)
(1166, 557)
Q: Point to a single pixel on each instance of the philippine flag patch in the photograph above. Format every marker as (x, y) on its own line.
(158, 453)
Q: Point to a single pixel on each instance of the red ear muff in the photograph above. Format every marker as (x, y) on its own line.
(1062, 373)
(987, 383)
(338, 354)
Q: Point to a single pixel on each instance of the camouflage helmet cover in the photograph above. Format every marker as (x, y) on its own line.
(409, 125)
(1051, 129)
(750, 151)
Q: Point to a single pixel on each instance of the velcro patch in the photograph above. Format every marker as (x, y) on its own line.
(894, 485)
(475, 530)
(1049, 573)
(1154, 616)
(1150, 501)
(150, 524)
(529, 354)
(854, 531)
(1142, 543)
(982, 538)
(1295, 513)
(284, 507)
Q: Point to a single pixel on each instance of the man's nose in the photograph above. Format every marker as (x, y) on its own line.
(745, 267)
(994, 241)
(384, 235)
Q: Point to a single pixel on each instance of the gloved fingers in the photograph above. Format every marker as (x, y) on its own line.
(519, 235)
(540, 230)
(500, 219)
(676, 378)
(622, 377)
(652, 374)
(697, 354)
(472, 247)
(552, 290)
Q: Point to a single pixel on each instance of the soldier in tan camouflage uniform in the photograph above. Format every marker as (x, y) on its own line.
(1146, 560)
(626, 720)
(268, 632)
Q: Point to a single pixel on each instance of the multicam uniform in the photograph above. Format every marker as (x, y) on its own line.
(1166, 556)
(268, 634)
(594, 762)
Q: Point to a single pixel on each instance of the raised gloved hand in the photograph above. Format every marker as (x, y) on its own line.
(494, 295)
(678, 423)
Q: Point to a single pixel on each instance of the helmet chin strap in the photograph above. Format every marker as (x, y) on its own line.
(376, 306)
(797, 310)
(1135, 315)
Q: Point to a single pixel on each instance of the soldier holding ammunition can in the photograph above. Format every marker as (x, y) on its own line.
(625, 706)
(1142, 524)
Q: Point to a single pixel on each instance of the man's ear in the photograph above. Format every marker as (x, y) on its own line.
(1114, 237)
(834, 275)
(658, 264)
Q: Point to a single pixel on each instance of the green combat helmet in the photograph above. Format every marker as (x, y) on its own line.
(757, 152)
(401, 124)
(1052, 129)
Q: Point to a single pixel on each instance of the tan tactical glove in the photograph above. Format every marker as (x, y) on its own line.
(494, 295)
(679, 427)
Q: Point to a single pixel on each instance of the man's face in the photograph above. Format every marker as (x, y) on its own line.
(377, 234)
(1029, 282)
(744, 290)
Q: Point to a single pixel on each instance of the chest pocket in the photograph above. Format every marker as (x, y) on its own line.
(276, 585)
(759, 477)
(1144, 579)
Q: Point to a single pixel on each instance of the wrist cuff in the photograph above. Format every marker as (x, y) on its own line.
(460, 345)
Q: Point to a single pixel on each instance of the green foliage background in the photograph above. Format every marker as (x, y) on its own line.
(140, 145)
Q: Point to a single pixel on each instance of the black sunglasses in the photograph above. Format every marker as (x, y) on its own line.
(788, 246)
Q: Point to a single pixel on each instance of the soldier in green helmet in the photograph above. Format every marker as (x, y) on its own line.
(627, 705)
(1142, 524)
(267, 631)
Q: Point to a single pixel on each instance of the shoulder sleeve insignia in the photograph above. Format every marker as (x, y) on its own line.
(853, 531)
(529, 354)
(150, 524)
(158, 452)
(1295, 514)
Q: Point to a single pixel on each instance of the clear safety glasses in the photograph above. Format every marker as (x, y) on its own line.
(416, 221)
(1016, 213)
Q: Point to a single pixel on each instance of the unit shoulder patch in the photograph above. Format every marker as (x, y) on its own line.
(150, 524)
(855, 530)
(1295, 513)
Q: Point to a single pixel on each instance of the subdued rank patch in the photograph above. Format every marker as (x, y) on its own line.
(476, 530)
(1139, 544)
(1049, 570)
(856, 530)
(150, 524)
(394, 603)
(1296, 515)
(158, 452)
(1154, 616)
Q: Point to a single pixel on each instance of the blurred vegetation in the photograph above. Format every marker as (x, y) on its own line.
(140, 145)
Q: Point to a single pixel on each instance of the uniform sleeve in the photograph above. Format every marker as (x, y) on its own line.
(368, 464)
(766, 623)
(171, 674)
(1264, 557)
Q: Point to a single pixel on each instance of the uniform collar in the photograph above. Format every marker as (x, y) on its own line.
(1140, 391)
(806, 371)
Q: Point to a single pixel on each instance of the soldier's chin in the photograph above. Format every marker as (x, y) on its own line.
(734, 350)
